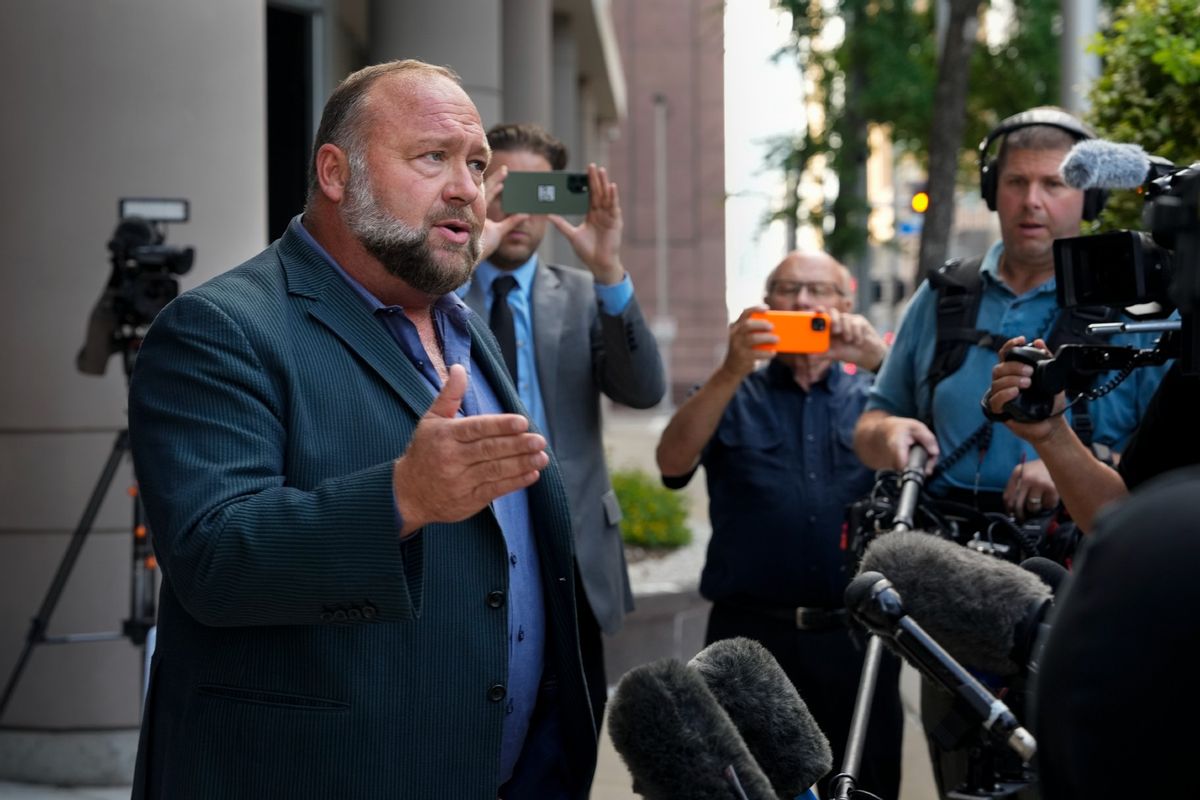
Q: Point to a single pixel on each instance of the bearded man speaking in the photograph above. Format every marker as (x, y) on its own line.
(367, 560)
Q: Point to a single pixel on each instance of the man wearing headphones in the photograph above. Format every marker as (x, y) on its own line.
(928, 390)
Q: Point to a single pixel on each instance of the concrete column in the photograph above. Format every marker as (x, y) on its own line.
(527, 61)
(567, 123)
(435, 32)
(138, 98)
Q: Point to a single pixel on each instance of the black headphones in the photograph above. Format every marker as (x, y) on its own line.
(1093, 199)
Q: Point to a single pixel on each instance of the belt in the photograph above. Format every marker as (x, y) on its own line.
(805, 619)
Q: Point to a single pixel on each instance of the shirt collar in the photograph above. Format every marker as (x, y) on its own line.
(990, 270)
(449, 303)
(487, 272)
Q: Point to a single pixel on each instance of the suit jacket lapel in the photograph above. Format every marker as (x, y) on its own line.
(335, 304)
(548, 308)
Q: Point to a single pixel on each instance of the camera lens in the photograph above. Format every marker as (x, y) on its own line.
(577, 183)
(818, 323)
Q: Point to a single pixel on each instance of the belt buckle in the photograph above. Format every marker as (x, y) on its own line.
(816, 619)
(806, 619)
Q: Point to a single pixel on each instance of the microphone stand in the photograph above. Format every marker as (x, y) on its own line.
(844, 783)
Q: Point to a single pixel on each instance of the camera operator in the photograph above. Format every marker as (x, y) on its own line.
(928, 390)
(1166, 439)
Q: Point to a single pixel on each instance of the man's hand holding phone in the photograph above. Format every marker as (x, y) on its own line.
(854, 340)
(748, 334)
(597, 240)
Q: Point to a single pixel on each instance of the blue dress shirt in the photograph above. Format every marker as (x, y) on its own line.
(526, 610)
(902, 388)
(612, 299)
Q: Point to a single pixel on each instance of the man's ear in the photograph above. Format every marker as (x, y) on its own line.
(333, 172)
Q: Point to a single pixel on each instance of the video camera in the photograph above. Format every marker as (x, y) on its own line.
(143, 280)
(1120, 270)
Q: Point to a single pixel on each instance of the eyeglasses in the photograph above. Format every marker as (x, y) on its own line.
(818, 290)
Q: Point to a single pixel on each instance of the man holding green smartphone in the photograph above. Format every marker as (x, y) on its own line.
(569, 335)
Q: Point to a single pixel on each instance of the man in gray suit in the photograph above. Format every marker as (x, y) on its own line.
(576, 334)
(367, 562)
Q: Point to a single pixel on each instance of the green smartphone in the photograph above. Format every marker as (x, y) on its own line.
(545, 193)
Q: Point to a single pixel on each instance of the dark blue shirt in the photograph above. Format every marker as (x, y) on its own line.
(781, 470)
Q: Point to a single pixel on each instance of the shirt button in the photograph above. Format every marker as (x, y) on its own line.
(495, 599)
(808, 437)
(812, 518)
(812, 476)
(512, 558)
(496, 693)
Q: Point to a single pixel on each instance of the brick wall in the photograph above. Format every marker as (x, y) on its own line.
(676, 48)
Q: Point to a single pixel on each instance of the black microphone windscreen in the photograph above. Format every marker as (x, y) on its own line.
(676, 739)
(769, 713)
(1099, 164)
(1052, 573)
(970, 603)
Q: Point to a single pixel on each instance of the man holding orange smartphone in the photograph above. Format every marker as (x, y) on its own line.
(776, 443)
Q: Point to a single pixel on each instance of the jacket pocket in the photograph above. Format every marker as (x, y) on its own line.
(265, 698)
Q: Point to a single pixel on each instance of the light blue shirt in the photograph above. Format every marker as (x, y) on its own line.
(902, 388)
(612, 300)
(524, 602)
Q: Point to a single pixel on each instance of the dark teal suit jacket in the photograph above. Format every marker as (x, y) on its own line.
(303, 651)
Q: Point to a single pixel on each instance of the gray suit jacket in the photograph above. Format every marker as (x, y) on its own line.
(581, 353)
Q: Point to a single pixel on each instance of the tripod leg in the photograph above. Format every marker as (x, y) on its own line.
(37, 628)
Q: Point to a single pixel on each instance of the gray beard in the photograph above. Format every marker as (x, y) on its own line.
(403, 250)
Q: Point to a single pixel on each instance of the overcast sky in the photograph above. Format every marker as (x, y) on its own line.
(762, 100)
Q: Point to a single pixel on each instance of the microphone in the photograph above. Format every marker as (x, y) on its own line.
(765, 707)
(677, 740)
(875, 603)
(983, 610)
(1100, 164)
(1052, 573)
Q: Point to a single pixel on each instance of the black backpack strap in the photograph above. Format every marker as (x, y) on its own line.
(1071, 328)
(957, 286)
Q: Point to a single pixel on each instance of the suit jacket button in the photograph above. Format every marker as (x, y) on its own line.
(496, 693)
(339, 616)
(495, 599)
(326, 616)
(354, 614)
(368, 612)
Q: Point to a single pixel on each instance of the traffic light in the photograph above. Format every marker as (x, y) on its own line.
(920, 200)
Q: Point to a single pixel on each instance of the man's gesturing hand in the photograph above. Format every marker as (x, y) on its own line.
(454, 466)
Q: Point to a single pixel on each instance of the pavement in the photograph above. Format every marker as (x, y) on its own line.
(630, 438)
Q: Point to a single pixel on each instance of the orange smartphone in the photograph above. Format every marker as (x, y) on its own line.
(798, 331)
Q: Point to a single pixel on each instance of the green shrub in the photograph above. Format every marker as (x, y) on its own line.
(653, 515)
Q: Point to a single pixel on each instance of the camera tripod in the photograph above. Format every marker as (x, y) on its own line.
(139, 627)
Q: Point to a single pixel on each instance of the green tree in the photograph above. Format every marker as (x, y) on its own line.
(885, 70)
(1148, 92)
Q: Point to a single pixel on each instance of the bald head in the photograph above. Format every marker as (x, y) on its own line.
(348, 109)
(804, 279)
